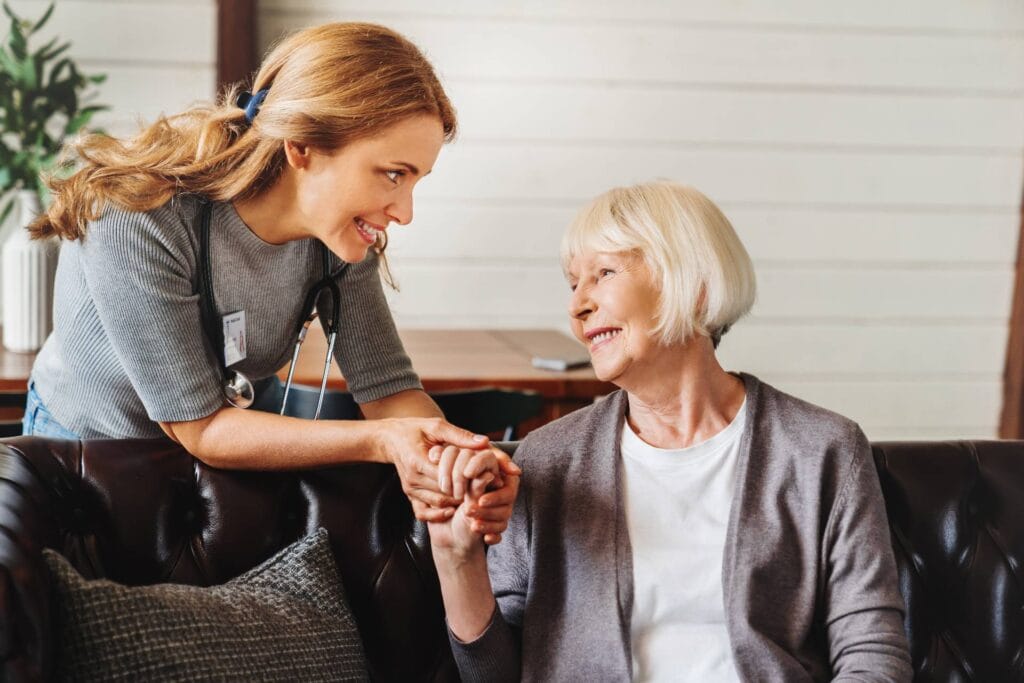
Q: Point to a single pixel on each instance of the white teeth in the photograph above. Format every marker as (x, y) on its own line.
(597, 339)
(367, 230)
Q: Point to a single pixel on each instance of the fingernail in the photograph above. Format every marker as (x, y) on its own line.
(479, 437)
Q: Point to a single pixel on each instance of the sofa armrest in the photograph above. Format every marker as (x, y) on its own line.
(34, 495)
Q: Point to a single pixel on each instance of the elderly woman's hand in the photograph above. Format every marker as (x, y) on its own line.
(406, 442)
(486, 483)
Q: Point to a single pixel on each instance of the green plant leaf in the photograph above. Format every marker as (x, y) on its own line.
(42, 98)
(8, 206)
(42, 51)
(55, 51)
(46, 17)
(16, 40)
(81, 119)
(30, 72)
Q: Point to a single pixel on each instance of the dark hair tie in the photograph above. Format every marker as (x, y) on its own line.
(251, 103)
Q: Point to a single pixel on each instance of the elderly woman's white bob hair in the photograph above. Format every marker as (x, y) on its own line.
(697, 261)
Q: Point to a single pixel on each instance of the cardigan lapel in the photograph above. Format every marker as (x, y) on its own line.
(738, 511)
(608, 439)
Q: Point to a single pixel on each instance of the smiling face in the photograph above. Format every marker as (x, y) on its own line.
(345, 197)
(613, 311)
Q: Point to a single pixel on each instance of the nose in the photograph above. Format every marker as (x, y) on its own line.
(400, 211)
(580, 303)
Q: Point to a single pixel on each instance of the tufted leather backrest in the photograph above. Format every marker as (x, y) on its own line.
(145, 511)
(956, 512)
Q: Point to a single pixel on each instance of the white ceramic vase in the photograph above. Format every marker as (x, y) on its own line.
(28, 269)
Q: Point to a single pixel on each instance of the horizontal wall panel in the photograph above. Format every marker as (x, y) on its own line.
(945, 433)
(528, 172)
(145, 92)
(451, 290)
(442, 229)
(141, 32)
(916, 15)
(567, 112)
(902, 405)
(816, 350)
(472, 48)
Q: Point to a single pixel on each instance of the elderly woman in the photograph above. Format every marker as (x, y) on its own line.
(696, 524)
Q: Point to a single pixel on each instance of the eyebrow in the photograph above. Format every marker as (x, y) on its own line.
(412, 169)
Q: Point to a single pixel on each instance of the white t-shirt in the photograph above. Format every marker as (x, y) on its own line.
(677, 509)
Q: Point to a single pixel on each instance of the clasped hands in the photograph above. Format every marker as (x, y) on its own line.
(464, 487)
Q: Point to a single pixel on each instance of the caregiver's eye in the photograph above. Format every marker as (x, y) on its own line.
(394, 175)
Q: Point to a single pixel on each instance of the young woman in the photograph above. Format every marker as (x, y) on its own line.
(189, 252)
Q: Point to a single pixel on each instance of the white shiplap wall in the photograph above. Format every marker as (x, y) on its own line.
(869, 154)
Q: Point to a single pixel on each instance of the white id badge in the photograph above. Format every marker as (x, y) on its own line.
(234, 337)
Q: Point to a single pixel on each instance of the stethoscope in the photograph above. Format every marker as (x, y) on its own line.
(238, 389)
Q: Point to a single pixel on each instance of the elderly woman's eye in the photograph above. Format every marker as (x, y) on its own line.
(605, 272)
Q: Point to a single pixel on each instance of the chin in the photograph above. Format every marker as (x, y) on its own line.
(606, 373)
(350, 253)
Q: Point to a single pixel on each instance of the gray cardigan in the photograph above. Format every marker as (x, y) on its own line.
(808, 574)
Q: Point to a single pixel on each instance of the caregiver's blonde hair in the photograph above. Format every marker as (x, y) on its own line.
(326, 86)
(699, 265)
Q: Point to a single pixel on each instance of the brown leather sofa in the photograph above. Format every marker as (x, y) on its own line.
(145, 511)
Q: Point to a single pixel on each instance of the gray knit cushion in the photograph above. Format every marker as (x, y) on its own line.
(285, 620)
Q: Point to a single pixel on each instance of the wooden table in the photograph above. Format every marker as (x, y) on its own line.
(463, 359)
(444, 359)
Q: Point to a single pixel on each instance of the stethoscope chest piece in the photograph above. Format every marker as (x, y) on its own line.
(238, 390)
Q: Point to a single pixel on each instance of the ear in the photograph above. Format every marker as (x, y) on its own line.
(297, 154)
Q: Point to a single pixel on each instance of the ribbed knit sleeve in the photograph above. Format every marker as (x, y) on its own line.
(139, 269)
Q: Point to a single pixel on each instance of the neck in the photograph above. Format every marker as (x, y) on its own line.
(272, 215)
(687, 399)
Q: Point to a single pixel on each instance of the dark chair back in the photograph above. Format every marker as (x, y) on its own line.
(144, 511)
(337, 405)
(956, 513)
(490, 410)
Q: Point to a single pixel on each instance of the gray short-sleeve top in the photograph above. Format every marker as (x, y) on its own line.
(128, 347)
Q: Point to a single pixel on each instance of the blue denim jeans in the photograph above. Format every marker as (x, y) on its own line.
(38, 421)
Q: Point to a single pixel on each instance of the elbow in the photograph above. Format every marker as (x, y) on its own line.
(197, 437)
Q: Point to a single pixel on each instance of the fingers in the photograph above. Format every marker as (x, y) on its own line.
(504, 496)
(459, 478)
(491, 514)
(432, 498)
(425, 513)
(485, 528)
(507, 466)
(482, 461)
(492, 539)
(478, 484)
(446, 432)
(444, 469)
